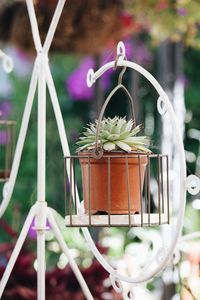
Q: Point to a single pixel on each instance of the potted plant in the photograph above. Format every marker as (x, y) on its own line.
(124, 158)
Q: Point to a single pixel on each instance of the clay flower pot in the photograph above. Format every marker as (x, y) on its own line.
(95, 182)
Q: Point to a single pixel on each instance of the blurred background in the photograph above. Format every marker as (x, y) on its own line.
(164, 37)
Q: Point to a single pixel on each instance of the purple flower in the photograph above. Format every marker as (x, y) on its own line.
(76, 82)
(5, 109)
(182, 11)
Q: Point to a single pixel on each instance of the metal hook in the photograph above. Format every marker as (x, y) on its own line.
(123, 70)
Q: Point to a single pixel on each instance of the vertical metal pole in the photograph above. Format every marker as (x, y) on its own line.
(70, 192)
(159, 206)
(168, 212)
(41, 265)
(89, 195)
(41, 219)
(41, 133)
(140, 183)
(148, 191)
(65, 186)
(109, 187)
(128, 192)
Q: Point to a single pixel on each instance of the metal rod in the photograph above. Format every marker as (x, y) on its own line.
(41, 264)
(120, 156)
(149, 195)
(41, 155)
(109, 188)
(89, 196)
(16, 250)
(70, 192)
(128, 191)
(74, 186)
(65, 186)
(140, 182)
(162, 185)
(168, 212)
(119, 86)
(21, 139)
(159, 208)
(53, 25)
(146, 191)
(34, 26)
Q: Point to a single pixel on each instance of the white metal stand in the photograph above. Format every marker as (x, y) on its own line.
(39, 212)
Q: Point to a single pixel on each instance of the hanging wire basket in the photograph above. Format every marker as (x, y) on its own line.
(7, 142)
(119, 188)
(131, 187)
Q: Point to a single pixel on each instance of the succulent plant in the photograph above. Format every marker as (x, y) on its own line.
(115, 134)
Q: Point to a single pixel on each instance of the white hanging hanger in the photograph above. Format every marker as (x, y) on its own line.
(7, 62)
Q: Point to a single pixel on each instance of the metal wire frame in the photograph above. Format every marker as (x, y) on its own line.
(7, 143)
(153, 207)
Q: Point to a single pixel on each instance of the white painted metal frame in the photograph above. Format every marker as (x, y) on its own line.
(147, 273)
(39, 212)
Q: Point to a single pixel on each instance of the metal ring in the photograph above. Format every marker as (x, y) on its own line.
(193, 184)
(7, 64)
(97, 153)
(130, 294)
(121, 48)
(162, 109)
(90, 77)
(116, 284)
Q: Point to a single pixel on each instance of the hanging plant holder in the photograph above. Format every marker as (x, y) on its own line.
(117, 184)
(117, 190)
(7, 138)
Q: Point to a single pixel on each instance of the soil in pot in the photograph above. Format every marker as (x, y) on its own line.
(95, 182)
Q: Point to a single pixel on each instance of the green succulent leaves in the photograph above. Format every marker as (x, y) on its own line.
(115, 134)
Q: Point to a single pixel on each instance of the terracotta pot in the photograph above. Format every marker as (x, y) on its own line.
(97, 190)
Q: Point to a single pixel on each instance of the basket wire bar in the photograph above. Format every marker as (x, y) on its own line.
(128, 191)
(162, 187)
(74, 179)
(159, 207)
(148, 214)
(148, 185)
(65, 186)
(109, 186)
(70, 186)
(168, 212)
(141, 204)
(89, 196)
